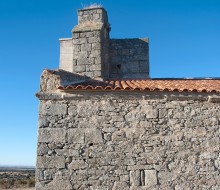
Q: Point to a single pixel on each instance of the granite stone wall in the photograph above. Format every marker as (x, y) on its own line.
(98, 15)
(129, 58)
(86, 52)
(115, 141)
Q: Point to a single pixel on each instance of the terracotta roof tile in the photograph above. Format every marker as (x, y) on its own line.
(178, 85)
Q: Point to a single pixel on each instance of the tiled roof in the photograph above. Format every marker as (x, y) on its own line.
(178, 85)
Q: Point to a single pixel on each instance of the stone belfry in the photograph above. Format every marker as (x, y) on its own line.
(86, 52)
(92, 53)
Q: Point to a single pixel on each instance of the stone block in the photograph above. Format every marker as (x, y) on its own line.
(66, 43)
(125, 52)
(95, 53)
(97, 34)
(76, 48)
(217, 163)
(79, 68)
(96, 67)
(82, 54)
(141, 57)
(52, 108)
(66, 50)
(150, 178)
(76, 35)
(96, 46)
(73, 153)
(77, 164)
(151, 113)
(96, 16)
(57, 135)
(86, 47)
(57, 162)
(84, 61)
(118, 185)
(86, 34)
(88, 68)
(93, 135)
(66, 57)
(143, 66)
(42, 149)
(97, 74)
(119, 135)
(43, 121)
(94, 40)
(48, 174)
(60, 184)
(72, 110)
(68, 63)
(76, 135)
(79, 41)
(135, 178)
(97, 60)
(90, 74)
(130, 67)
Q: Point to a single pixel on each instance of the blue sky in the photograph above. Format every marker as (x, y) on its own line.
(184, 42)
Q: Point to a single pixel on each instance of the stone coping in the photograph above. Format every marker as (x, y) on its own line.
(65, 39)
(88, 27)
(169, 96)
(92, 8)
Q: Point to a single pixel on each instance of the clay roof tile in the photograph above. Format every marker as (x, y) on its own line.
(173, 85)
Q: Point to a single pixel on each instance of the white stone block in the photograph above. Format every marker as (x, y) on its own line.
(150, 178)
(66, 57)
(66, 50)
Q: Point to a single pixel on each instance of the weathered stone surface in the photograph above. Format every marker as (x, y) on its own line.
(129, 58)
(93, 135)
(56, 184)
(60, 184)
(131, 141)
(76, 135)
(135, 178)
(51, 108)
(121, 185)
(56, 135)
(42, 149)
(77, 164)
(51, 162)
(150, 178)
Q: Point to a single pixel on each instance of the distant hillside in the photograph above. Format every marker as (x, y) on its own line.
(17, 177)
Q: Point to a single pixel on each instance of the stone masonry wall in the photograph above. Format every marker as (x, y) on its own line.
(92, 15)
(127, 141)
(87, 52)
(129, 58)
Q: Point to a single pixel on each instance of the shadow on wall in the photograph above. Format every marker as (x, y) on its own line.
(129, 58)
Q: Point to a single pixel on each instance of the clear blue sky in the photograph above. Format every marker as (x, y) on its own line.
(184, 42)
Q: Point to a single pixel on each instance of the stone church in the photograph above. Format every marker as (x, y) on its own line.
(104, 124)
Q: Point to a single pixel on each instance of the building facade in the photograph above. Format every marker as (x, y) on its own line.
(105, 125)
